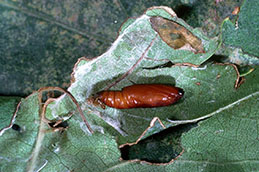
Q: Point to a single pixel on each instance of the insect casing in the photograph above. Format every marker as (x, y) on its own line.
(141, 96)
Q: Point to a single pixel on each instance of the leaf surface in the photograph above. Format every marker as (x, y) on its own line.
(242, 34)
(226, 139)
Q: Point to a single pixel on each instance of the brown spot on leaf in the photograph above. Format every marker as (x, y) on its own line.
(176, 36)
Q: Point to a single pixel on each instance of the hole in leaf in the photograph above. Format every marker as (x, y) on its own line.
(165, 65)
(50, 94)
(217, 58)
(58, 124)
(162, 147)
(16, 127)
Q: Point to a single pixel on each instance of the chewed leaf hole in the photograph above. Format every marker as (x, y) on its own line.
(50, 94)
(165, 65)
(16, 127)
(58, 124)
(162, 147)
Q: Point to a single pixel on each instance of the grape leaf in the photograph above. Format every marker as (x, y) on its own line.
(209, 92)
(242, 34)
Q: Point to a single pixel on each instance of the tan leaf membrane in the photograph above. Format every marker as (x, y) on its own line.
(176, 36)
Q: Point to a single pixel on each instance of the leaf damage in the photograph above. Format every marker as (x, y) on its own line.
(51, 100)
(12, 120)
(176, 43)
(167, 140)
(240, 79)
(176, 36)
(44, 124)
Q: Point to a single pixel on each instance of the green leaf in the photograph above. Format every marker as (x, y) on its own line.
(16, 146)
(136, 42)
(238, 57)
(46, 38)
(7, 106)
(228, 138)
(36, 146)
(210, 86)
(227, 141)
(244, 33)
